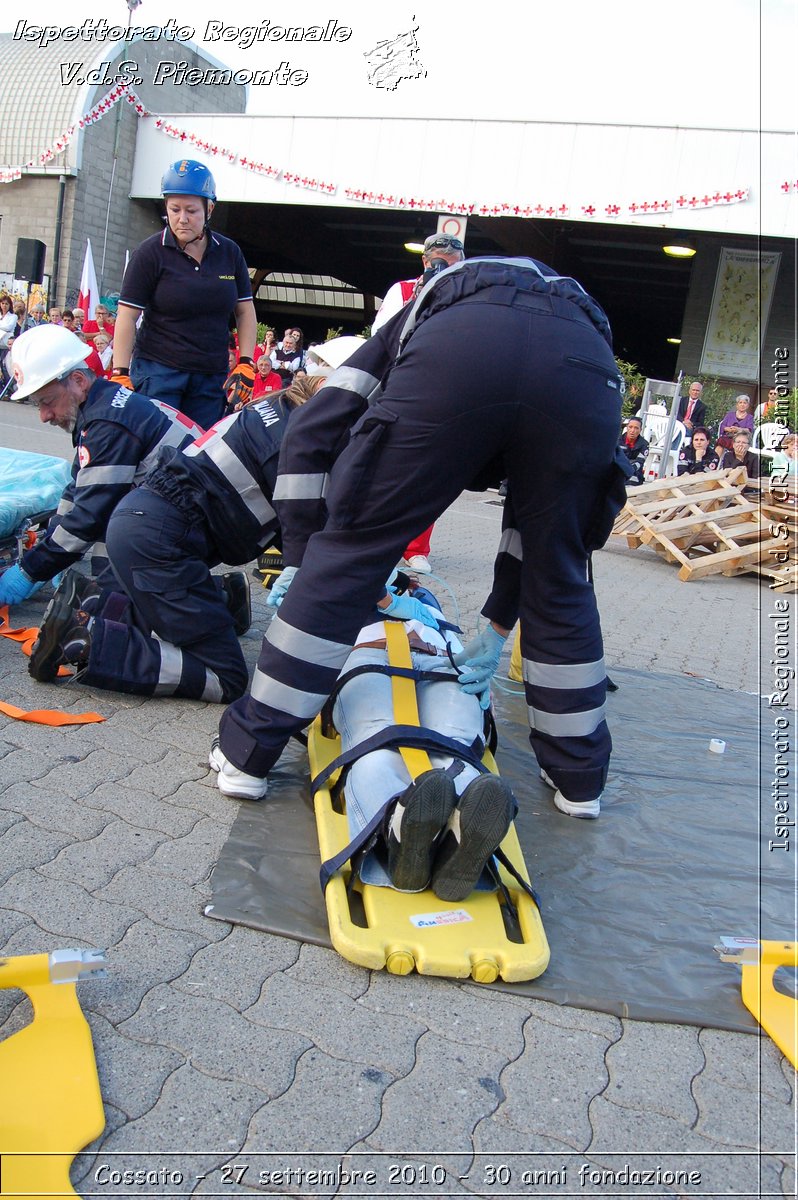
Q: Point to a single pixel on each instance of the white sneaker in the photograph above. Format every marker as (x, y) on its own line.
(417, 562)
(573, 808)
(232, 782)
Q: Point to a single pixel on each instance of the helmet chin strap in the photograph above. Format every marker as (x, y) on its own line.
(199, 236)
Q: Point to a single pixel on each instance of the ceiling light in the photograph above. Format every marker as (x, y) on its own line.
(415, 243)
(680, 247)
(674, 341)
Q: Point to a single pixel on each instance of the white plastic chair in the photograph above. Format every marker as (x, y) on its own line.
(767, 439)
(654, 431)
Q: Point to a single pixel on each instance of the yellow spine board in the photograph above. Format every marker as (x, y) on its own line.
(458, 939)
(775, 1012)
(50, 1102)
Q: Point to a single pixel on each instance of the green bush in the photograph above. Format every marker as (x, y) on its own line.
(635, 383)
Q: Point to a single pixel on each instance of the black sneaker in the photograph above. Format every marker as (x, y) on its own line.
(413, 827)
(477, 827)
(63, 637)
(235, 589)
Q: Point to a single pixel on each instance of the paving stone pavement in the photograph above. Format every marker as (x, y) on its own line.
(227, 1056)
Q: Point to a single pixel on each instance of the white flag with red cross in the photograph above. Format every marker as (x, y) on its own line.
(89, 294)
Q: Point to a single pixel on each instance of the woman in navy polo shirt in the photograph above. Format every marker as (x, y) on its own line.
(186, 281)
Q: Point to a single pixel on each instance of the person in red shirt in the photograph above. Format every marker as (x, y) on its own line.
(103, 347)
(102, 323)
(268, 344)
(266, 378)
(93, 360)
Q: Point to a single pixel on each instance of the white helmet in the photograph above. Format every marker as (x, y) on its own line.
(324, 359)
(43, 354)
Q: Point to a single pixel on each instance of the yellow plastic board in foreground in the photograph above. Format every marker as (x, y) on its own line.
(420, 931)
(775, 1012)
(50, 1102)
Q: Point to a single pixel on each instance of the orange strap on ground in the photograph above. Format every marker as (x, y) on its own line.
(38, 716)
(49, 716)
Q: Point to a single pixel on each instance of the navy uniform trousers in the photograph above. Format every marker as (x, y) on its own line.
(172, 633)
(552, 410)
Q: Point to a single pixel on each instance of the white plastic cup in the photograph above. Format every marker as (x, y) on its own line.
(717, 746)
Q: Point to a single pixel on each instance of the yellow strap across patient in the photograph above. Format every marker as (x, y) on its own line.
(405, 703)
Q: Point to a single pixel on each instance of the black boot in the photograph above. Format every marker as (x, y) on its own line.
(63, 636)
(235, 589)
(413, 827)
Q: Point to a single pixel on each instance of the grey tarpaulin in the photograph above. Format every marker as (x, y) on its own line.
(632, 903)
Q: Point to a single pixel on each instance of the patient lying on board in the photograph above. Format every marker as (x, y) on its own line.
(440, 828)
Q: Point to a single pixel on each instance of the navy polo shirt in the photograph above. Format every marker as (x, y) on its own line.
(186, 304)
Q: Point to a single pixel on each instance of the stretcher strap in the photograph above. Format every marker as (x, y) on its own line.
(328, 868)
(25, 637)
(442, 623)
(39, 716)
(396, 736)
(379, 669)
(499, 854)
(405, 701)
(410, 738)
(49, 716)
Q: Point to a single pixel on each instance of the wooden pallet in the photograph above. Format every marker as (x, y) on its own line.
(706, 525)
(779, 510)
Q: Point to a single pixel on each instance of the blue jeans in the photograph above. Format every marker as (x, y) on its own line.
(198, 395)
(364, 706)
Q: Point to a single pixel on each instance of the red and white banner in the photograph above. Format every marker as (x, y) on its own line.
(553, 208)
(89, 294)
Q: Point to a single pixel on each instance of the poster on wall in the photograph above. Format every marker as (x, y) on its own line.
(739, 314)
(17, 289)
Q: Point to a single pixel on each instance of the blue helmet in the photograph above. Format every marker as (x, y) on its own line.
(187, 177)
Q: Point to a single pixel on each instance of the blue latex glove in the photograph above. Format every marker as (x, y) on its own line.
(16, 586)
(281, 586)
(479, 661)
(408, 609)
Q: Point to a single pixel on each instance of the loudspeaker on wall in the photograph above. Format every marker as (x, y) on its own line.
(29, 264)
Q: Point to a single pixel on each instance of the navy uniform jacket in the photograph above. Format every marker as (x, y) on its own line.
(228, 476)
(321, 429)
(348, 405)
(636, 454)
(118, 435)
